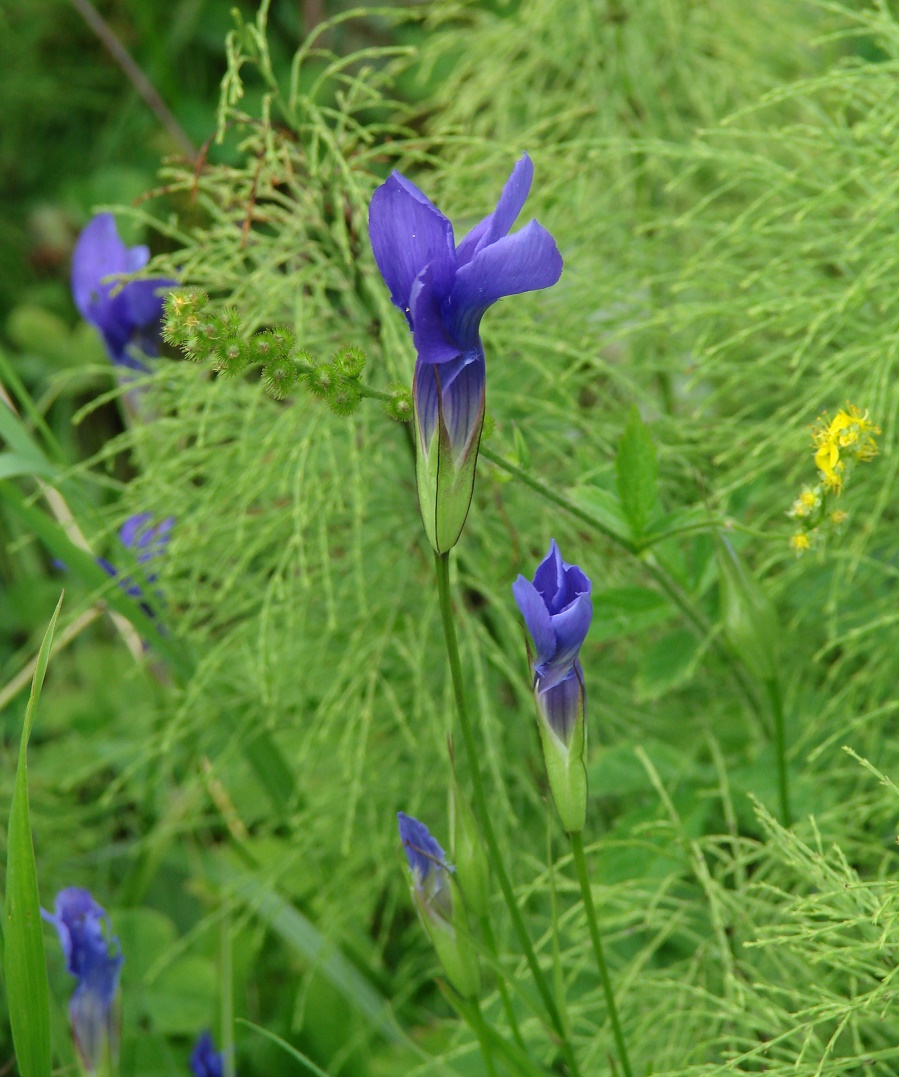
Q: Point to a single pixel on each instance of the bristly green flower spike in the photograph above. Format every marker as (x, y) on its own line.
(442, 912)
(557, 610)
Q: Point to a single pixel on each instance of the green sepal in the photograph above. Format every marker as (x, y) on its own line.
(445, 485)
(565, 768)
(750, 622)
(453, 942)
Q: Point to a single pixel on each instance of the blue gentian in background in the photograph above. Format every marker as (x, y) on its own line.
(443, 915)
(444, 289)
(129, 320)
(557, 611)
(148, 542)
(205, 1061)
(94, 956)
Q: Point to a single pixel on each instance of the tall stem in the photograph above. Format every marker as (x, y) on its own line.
(580, 866)
(483, 814)
(780, 740)
(490, 943)
(479, 1027)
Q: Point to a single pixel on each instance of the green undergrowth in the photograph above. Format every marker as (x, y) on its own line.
(720, 179)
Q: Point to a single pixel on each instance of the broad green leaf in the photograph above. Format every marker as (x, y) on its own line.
(636, 474)
(25, 456)
(605, 508)
(24, 959)
(669, 662)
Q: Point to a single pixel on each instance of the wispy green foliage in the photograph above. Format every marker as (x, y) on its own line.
(721, 182)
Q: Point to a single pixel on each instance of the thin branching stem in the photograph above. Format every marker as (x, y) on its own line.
(483, 813)
(580, 866)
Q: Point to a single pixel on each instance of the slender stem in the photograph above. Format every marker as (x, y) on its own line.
(479, 1027)
(490, 942)
(483, 814)
(580, 866)
(138, 79)
(773, 686)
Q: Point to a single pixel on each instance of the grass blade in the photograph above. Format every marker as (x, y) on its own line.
(24, 960)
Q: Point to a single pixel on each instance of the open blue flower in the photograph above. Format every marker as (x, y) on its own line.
(444, 290)
(557, 611)
(205, 1061)
(94, 956)
(129, 320)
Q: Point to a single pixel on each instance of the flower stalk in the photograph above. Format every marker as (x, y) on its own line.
(580, 867)
(483, 814)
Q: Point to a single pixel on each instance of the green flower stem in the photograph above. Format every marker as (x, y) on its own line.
(490, 942)
(483, 813)
(580, 866)
(518, 1060)
(777, 710)
(694, 616)
(479, 1027)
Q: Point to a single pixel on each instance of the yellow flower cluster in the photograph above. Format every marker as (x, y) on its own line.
(838, 443)
(847, 436)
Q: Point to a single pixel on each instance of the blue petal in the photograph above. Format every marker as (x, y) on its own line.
(570, 628)
(432, 340)
(548, 577)
(408, 232)
(205, 1061)
(98, 252)
(520, 263)
(422, 851)
(561, 703)
(426, 400)
(463, 387)
(536, 618)
(144, 301)
(497, 224)
(91, 1026)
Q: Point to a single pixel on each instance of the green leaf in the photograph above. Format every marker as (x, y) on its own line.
(25, 456)
(750, 622)
(622, 611)
(25, 963)
(636, 473)
(605, 509)
(669, 662)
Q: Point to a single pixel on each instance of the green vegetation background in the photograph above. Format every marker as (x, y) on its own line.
(721, 180)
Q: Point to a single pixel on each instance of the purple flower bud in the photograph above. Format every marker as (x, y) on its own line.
(557, 611)
(444, 290)
(205, 1061)
(94, 956)
(131, 317)
(427, 862)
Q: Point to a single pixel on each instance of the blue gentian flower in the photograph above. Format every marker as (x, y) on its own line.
(94, 956)
(444, 290)
(205, 1061)
(129, 320)
(557, 611)
(147, 542)
(443, 917)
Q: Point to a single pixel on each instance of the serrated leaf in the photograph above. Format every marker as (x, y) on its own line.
(25, 963)
(636, 474)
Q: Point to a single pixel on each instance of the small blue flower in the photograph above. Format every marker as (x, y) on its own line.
(444, 919)
(427, 862)
(444, 289)
(148, 543)
(94, 956)
(557, 611)
(131, 317)
(205, 1061)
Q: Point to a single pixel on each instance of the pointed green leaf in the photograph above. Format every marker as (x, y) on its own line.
(636, 473)
(24, 960)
